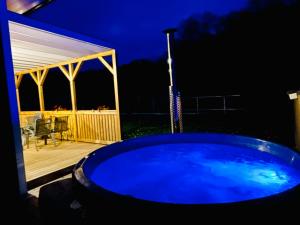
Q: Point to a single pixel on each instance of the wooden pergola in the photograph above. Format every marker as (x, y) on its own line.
(37, 48)
(29, 48)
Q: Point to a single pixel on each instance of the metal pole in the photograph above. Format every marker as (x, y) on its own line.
(174, 110)
(171, 109)
(179, 108)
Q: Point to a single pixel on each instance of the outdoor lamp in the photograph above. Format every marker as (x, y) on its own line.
(293, 95)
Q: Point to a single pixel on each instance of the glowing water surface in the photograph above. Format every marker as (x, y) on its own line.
(195, 174)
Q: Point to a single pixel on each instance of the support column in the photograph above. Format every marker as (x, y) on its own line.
(73, 98)
(11, 155)
(18, 80)
(41, 91)
(73, 95)
(41, 97)
(115, 74)
(18, 100)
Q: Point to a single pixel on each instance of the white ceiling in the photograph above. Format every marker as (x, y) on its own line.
(33, 48)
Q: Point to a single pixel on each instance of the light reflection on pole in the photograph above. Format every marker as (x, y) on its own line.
(174, 95)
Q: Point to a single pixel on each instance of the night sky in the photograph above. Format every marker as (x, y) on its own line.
(253, 49)
(132, 26)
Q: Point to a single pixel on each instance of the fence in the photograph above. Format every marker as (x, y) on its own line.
(200, 104)
(92, 126)
(190, 105)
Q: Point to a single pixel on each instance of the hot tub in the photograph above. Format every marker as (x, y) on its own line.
(189, 171)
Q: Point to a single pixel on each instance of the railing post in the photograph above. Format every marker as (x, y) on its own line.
(197, 101)
(224, 104)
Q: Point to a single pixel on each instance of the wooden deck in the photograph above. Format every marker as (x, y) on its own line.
(50, 158)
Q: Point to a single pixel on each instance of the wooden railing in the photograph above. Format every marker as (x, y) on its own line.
(92, 126)
(98, 126)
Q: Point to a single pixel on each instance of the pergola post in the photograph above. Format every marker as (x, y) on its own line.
(41, 91)
(18, 99)
(11, 155)
(113, 71)
(73, 98)
(18, 80)
(115, 75)
(73, 88)
(71, 74)
(39, 78)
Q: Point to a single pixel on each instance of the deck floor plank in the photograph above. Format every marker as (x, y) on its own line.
(50, 158)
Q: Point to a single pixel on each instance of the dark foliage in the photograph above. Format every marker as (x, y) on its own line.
(253, 52)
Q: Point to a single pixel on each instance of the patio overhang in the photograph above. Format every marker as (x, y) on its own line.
(36, 45)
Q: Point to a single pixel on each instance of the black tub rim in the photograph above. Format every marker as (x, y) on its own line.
(288, 154)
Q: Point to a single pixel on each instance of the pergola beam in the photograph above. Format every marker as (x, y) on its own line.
(77, 68)
(106, 64)
(83, 59)
(34, 77)
(18, 80)
(64, 71)
(44, 75)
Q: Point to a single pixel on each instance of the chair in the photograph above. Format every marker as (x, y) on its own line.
(26, 132)
(29, 129)
(42, 129)
(30, 120)
(24, 137)
(61, 125)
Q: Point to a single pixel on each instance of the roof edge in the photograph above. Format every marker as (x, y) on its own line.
(37, 6)
(17, 18)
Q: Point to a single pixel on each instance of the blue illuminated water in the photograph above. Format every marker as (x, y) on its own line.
(195, 174)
